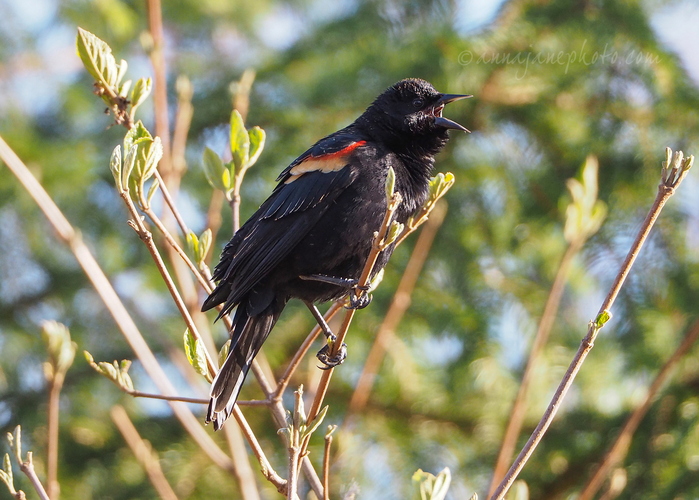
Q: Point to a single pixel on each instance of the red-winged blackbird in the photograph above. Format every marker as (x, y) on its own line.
(310, 239)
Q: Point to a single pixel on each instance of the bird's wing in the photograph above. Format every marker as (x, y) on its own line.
(305, 191)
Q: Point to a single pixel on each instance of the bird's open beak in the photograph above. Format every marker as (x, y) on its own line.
(439, 106)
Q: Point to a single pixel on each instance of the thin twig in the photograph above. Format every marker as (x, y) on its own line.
(55, 385)
(326, 461)
(162, 120)
(519, 407)
(27, 467)
(620, 448)
(145, 235)
(143, 452)
(243, 471)
(396, 311)
(267, 470)
(203, 281)
(672, 175)
(112, 302)
(362, 282)
(183, 121)
(213, 217)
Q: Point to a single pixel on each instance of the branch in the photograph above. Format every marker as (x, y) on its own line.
(364, 279)
(326, 461)
(519, 407)
(143, 452)
(673, 172)
(112, 302)
(618, 450)
(396, 311)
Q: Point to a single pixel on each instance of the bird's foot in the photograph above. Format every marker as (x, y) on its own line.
(356, 300)
(361, 300)
(329, 361)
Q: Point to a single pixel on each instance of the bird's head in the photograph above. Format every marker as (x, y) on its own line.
(411, 111)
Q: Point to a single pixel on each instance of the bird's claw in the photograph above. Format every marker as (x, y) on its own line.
(331, 361)
(359, 301)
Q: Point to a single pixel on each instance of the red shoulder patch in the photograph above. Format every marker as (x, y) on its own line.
(330, 162)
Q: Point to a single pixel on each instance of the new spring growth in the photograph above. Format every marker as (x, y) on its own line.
(116, 372)
(99, 61)
(246, 146)
(674, 168)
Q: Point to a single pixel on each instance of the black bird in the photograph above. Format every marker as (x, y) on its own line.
(310, 239)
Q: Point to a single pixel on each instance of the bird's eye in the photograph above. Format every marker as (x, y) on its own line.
(417, 103)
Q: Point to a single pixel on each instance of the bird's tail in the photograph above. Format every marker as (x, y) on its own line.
(249, 331)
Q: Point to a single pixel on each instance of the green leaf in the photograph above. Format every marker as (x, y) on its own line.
(257, 144)
(115, 167)
(135, 135)
(194, 349)
(15, 440)
(602, 318)
(431, 487)
(97, 58)
(129, 163)
(140, 93)
(315, 423)
(124, 89)
(226, 177)
(215, 171)
(223, 353)
(393, 232)
(193, 243)
(151, 191)
(204, 245)
(390, 184)
(121, 72)
(6, 473)
(124, 377)
(59, 346)
(153, 155)
(240, 141)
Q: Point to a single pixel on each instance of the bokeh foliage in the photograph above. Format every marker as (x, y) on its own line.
(443, 400)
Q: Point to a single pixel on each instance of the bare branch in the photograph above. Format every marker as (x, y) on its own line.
(143, 452)
(673, 172)
(399, 305)
(620, 448)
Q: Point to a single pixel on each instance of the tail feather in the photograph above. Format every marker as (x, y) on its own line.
(248, 334)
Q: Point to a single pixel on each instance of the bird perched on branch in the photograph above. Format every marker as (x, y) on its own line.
(311, 238)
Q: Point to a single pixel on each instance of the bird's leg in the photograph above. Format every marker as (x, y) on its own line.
(356, 301)
(324, 354)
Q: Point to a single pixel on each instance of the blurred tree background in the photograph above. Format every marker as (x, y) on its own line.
(554, 81)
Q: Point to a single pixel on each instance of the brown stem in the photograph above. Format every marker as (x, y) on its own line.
(162, 121)
(143, 452)
(55, 385)
(618, 451)
(326, 462)
(112, 302)
(205, 284)
(213, 217)
(27, 467)
(292, 481)
(665, 190)
(519, 407)
(243, 472)
(267, 470)
(342, 332)
(396, 311)
(139, 226)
